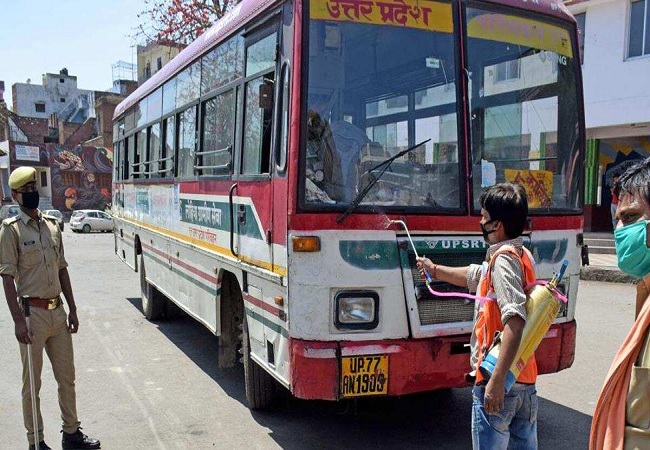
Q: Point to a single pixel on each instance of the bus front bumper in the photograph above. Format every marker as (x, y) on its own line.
(325, 370)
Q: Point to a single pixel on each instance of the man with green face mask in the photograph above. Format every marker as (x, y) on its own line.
(622, 416)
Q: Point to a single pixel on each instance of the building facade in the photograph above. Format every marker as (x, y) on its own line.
(58, 94)
(71, 149)
(153, 56)
(615, 38)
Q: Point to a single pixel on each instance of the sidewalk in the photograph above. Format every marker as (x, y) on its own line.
(604, 268)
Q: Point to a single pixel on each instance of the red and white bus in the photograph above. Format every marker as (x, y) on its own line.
(252, 188)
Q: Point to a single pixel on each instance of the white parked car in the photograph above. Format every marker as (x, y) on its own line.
(55, 213)
(88, 220)
(8, 211)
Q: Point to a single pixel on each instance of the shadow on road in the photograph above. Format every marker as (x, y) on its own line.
(438, 419)
(200, 346)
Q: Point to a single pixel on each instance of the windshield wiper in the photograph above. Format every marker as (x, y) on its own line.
(384, 166)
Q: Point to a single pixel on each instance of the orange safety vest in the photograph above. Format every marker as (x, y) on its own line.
(488, 320)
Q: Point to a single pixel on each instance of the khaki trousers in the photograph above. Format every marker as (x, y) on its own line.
(50, 332)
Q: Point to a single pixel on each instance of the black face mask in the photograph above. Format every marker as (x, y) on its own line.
(30, 199)
(485, 231)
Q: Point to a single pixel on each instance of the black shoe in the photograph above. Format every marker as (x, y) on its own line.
(41, 446)
(78, 440)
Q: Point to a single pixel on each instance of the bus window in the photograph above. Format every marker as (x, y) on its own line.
(223, 65)
(154, 106)
(118, 130)
(375, 90)
(261, 55)
(188, 84)
(166, 166)
(524, 113)
(154, 151)
(169, 96)
(257, 128)
(117, 160)
(129, 157)
(129, 121)
(258, 101)
(141, 110)
(186, 142)
(139, 162)
(218, 134)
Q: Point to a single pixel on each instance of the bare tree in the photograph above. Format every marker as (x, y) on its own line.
(179, 21)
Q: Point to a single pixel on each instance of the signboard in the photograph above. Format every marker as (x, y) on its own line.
(520, 31)
(538, 185)
(422, 14)
(28, 153)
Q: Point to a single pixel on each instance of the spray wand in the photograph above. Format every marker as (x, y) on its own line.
(429, 279)
(403, 224)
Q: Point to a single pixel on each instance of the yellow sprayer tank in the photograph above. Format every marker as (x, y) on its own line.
(542, 307)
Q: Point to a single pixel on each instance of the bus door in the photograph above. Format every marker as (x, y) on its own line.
(253, 207)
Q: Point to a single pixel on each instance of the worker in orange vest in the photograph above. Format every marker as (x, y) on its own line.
(499, 419)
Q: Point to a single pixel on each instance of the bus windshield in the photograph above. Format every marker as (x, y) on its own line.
(381, 79)
(524, 108)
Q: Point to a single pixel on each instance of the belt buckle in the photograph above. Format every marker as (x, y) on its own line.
(53, 303)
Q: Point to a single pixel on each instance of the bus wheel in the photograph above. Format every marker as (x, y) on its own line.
(261, 388)
(153, 302)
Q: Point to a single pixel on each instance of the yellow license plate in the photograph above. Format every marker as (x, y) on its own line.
(364, 375)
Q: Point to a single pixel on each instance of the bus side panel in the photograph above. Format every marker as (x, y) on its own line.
(187, 275)
(550, 248)
(268, 326)
(125, 243)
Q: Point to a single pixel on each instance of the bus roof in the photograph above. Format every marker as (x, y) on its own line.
(247, 9)
(233, 19)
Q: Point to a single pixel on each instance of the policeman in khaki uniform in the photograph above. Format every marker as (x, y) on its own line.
(32, 264)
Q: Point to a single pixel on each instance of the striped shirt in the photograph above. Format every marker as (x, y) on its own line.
(508, 283)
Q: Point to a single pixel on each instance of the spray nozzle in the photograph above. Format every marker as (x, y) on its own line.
(558, 276)
(429, 278)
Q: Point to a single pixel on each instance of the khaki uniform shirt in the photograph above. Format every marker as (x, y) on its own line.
(32, 253)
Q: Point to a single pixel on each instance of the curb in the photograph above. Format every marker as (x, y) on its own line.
(605, 274)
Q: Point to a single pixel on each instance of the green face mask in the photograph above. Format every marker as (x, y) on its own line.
(631, 250)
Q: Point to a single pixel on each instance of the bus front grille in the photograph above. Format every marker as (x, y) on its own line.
(436, 310)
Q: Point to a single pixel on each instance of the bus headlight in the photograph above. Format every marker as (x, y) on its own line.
(356, 310)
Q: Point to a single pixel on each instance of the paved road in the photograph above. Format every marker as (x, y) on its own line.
(146, 385)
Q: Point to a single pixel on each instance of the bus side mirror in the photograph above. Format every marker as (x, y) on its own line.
(266, 96)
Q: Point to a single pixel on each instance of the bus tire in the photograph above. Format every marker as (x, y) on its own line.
(153, 302)
(261, 388)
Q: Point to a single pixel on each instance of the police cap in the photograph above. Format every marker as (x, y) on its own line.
(22, 176)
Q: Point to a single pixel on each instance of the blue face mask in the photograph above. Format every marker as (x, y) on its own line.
(631, 249)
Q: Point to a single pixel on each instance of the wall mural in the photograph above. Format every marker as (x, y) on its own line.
(616, 155)
(81, 177)
(549, 251)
